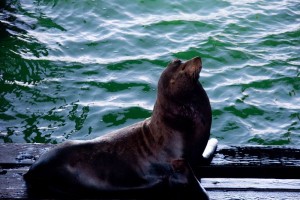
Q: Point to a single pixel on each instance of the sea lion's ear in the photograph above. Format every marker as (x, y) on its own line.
(177, 61)
(174, 63)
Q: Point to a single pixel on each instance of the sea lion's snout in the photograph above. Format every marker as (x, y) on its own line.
(193, 67)
(195, 63)
(197, 59)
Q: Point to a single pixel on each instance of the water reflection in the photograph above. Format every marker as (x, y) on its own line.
(120, 117)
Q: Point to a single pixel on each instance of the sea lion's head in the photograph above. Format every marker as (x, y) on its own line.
(180, 79)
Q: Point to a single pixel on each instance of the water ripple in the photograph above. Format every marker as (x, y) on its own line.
(75, 70)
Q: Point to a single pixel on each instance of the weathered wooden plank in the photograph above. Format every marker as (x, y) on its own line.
(253, 162)
(252, 195)
(22, 154)
(252, 189)
(254, 184)
(12, 185)
(242, 171)
(257, 155)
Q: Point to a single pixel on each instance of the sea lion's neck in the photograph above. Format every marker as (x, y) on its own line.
(191, 121)
(173, 115)
(167, 138)
(161, 115)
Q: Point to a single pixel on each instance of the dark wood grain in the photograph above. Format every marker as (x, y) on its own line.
(253, 162)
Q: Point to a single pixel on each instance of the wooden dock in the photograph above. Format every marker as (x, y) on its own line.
(236, 172)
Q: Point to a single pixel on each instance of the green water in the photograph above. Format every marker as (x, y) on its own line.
(80, 69)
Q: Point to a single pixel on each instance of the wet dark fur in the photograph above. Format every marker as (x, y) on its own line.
(144, 159)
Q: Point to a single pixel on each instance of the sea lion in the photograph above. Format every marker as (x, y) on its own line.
(149, 157)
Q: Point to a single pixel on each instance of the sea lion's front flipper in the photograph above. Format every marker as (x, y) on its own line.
(209, 151)
(184, 183)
